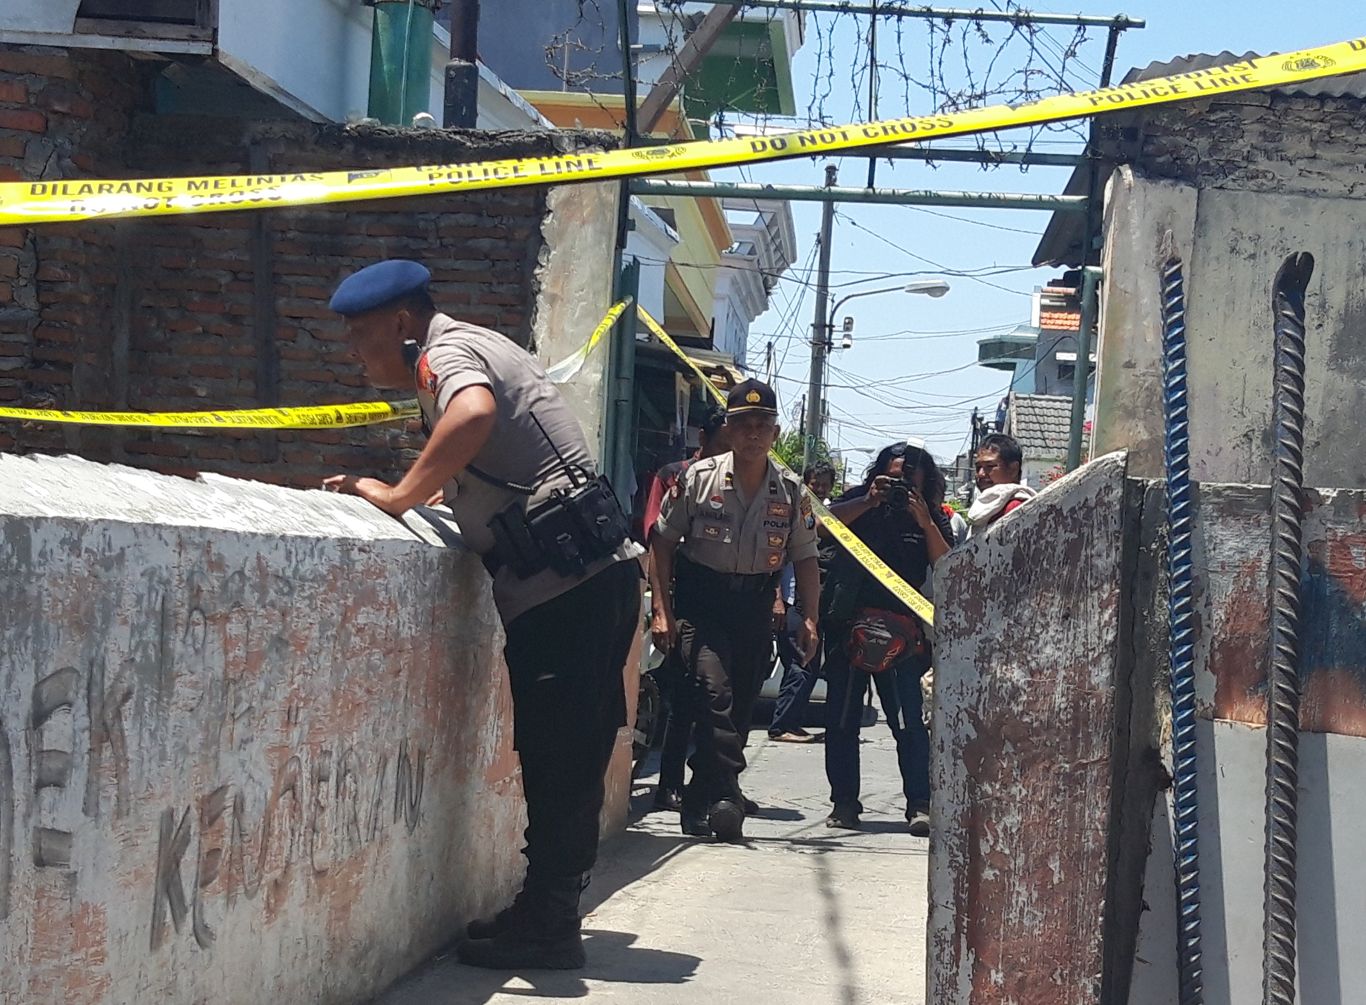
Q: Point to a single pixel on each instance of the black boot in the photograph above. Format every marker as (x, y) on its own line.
(543, 934)
(667, 798)
(487, 928)
(727, 820)
(694, 823)
(692, 814)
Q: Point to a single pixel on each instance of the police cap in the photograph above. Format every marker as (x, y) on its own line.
(751, 396)
(377, 285)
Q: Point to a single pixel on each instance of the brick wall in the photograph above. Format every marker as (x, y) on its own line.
(227, 310)
(1259, 142)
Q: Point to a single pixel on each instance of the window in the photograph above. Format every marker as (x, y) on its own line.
(190, 20)
(160, 11)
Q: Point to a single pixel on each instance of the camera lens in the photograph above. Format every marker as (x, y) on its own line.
(898, 496)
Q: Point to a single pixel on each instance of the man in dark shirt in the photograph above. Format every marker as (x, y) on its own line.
(898, 512)
(711, 440)
(799, 679)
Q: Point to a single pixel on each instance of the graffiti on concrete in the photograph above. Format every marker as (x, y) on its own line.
(54, 700)
(311, 824)
(106, 730)
(287, 809)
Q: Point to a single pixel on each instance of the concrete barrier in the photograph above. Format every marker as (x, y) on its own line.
(1029, 733)
(255, 743)
(1232, 534)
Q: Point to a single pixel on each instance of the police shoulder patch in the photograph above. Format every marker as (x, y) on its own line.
(703, 465)
(426, 377)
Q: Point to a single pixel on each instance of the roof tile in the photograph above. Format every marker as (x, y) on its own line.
(1041, 423)
(1065, 321)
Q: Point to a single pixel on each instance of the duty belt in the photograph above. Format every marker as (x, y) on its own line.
(693, 577)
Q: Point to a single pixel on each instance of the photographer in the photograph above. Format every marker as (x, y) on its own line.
(899, 514)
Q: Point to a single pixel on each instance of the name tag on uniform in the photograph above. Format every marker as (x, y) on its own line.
(780, 509)
(775, 540)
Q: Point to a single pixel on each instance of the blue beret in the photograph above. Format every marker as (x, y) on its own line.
(379, 284)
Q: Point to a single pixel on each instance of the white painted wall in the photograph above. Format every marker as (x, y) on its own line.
(1331, 880)
(1232, 242)
(652, 242)
(1036, 470)
(39, 15)
(319, 65)
(328, 79)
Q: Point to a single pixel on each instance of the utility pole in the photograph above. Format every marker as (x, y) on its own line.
(1081, 374)
(462, 72)
(820, 329)
(629, 77)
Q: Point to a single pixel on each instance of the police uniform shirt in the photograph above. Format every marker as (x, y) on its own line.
(705, 512)
(457, 356)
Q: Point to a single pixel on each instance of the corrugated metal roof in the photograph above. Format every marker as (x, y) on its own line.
(1348, 85)
(1040, 423)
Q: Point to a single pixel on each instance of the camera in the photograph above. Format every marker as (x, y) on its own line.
(898, 496)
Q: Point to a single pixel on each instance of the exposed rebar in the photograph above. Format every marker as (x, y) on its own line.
(1283, 684)
(1181, 634)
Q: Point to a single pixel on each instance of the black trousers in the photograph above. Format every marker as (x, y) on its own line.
(678, 728)
(566, 659)
(726, 644)
(898, 689)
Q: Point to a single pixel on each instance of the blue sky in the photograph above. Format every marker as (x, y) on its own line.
(900, 339)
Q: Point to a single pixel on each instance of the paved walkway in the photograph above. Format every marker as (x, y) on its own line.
(800, 915)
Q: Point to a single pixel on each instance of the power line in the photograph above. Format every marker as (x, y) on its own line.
(975, 223)
(924, 336)
(929, 261)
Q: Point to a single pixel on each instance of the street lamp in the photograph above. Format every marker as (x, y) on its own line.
(928, 287)
(822, 334)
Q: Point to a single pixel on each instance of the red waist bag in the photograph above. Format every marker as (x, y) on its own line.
(878, 639)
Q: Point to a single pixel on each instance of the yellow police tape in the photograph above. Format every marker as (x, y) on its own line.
(861, 553)
(50, 201)
(567, 368)
(364, 413)
(373, 412)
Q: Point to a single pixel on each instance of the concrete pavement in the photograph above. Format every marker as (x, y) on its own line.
(800, 913)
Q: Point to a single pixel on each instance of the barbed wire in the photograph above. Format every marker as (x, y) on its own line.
(965, 62)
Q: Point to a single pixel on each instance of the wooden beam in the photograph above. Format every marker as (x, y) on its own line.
(686, 61)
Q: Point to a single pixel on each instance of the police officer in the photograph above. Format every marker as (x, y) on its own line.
(512, 463)
(740, 519)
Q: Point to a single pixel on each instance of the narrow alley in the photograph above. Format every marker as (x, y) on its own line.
(798, 912)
